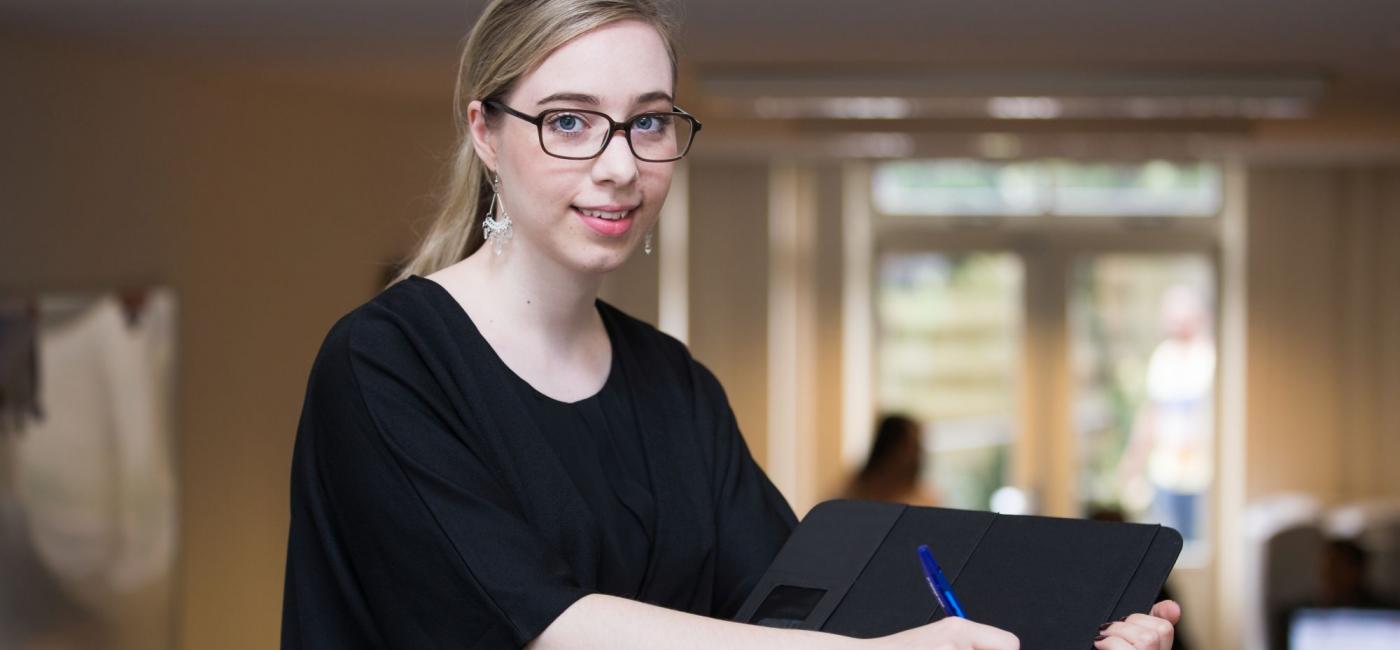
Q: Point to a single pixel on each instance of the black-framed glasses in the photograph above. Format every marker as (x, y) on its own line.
(577, 134)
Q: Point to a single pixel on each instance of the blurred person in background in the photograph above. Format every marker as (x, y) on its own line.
(1172, 435)
(893, 470)
(489, 455)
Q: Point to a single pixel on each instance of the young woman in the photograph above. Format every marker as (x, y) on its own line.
(488, 455)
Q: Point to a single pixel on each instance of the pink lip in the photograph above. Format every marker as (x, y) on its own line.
(605, 227)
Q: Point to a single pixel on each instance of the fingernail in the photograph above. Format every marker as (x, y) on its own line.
(1105, 626)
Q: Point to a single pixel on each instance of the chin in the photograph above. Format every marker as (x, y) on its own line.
(603, 260)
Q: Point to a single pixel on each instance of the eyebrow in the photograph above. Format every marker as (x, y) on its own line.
(581, 98)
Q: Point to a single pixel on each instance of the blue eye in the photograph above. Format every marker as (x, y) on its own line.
(651, 123)
(567, 122)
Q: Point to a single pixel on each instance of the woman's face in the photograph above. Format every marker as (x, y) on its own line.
(620, 69)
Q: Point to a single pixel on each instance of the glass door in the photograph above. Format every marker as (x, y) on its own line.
(947, 356)
(1144, 364)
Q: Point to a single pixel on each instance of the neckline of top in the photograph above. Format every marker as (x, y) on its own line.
(442, 292)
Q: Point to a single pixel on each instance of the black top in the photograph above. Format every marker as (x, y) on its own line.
(439, 501)
(598, 442)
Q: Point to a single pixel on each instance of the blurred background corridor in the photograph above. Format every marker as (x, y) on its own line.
(1133, 259)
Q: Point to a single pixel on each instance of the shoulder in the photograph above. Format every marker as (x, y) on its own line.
(645, 341)
(660, 352)
(388, 368)
(400, 327)
(638, 333)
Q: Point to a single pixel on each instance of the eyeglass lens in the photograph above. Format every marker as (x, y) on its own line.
(581, 134)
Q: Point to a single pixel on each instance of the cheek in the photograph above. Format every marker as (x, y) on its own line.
(539, 183)
(656, 182)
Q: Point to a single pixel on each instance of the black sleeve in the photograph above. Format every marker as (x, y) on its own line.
(401, 536)
(753, 519)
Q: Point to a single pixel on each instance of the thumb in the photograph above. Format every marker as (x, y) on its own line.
(1167, 610)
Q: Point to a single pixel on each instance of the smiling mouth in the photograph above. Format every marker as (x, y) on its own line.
(612, 223)
(603, 214)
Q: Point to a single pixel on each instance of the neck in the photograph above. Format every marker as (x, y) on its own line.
(533, 294)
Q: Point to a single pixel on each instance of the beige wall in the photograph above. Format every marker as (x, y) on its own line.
(1324, 331)
(728, 287)
(829, 272)
(268, 208)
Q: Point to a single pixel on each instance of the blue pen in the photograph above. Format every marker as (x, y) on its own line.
(939, 584)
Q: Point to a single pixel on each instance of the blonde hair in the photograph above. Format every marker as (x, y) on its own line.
(510, 38)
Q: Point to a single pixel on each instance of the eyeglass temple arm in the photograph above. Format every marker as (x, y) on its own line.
(533, 119)
(693, 119)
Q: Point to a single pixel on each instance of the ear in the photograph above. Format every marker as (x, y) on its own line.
(483, 139)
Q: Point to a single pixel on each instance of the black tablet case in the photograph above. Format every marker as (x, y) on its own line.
(852, 568)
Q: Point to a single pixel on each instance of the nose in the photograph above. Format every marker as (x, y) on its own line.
(616, 164)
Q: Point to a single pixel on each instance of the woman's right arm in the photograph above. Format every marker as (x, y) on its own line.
(603, 622)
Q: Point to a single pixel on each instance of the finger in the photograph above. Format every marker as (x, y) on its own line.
(1165, 631)
(1168, 610)
(1112, 643)
(1137, 636)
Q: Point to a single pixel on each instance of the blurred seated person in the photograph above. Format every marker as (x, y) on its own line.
(1342, 579)
(1341, 584)
(892, 471)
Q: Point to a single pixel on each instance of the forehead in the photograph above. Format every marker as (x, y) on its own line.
(616, 63)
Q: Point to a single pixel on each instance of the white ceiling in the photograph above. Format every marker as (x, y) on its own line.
(1355, 41)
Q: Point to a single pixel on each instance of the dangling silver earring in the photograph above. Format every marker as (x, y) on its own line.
(498, 230)
(646, 243)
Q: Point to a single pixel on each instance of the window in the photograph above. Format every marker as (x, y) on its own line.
(949, 335)
(1050, 187)
(1048, 354)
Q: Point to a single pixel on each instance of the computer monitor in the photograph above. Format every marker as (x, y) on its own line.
(1352, 629)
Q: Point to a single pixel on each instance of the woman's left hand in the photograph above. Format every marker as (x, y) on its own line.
(1154, 631)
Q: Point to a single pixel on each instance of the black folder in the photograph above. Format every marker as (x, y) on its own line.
(852, 568)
